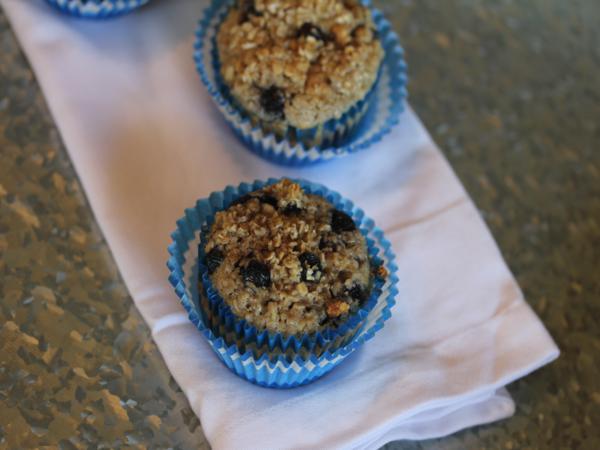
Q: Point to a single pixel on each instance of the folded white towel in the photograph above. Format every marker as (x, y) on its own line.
(147, 143)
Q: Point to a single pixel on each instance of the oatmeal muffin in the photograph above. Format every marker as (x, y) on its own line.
(287, 261)
(298, 63)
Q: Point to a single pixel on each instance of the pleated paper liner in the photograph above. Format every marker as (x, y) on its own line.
(91, 9)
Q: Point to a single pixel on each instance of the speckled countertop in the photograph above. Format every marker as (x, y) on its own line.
(511, 92)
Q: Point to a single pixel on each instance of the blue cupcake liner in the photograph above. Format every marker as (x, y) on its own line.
(328, 339)
(368, 123)
(265, 342)
(275, 369)
(93, 10)
(221, 329)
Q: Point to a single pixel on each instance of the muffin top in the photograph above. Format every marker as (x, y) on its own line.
(288, 261)
(298, 62)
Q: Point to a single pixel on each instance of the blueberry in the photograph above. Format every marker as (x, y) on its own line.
(310, 29)
(269, 200)
(291, 209)
(272, 101)
(214, 258)
(265, 198)
(257, 273)
(358, 292)
(340, 221)
(310, 261)
(325, 244)
(247, 9)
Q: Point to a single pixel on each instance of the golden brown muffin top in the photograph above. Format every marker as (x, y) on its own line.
(287, 261)
(299, 62)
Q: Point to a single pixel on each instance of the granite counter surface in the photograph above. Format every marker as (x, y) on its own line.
(509, 89)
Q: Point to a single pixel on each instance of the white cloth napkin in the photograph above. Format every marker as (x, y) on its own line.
(147, 142)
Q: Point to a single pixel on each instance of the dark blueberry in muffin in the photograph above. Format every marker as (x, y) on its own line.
(358, 292)
(340, 222)
(310, 29)
(291, 209)
(257, 273)
(214, 258)
(248, 9)
(268, 199)
(265, 198)
(325, 244)
(272, 101)
(311, 267)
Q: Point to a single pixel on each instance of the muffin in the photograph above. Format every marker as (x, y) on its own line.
(219, 224)
(287, 261)
(296, 66)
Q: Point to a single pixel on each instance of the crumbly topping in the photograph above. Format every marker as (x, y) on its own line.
(280, 259)
(298, 62)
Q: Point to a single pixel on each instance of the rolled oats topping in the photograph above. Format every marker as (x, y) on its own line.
(277, 259)
(298, 62)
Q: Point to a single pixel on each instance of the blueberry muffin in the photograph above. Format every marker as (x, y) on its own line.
(297, 64)
(287, 261)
